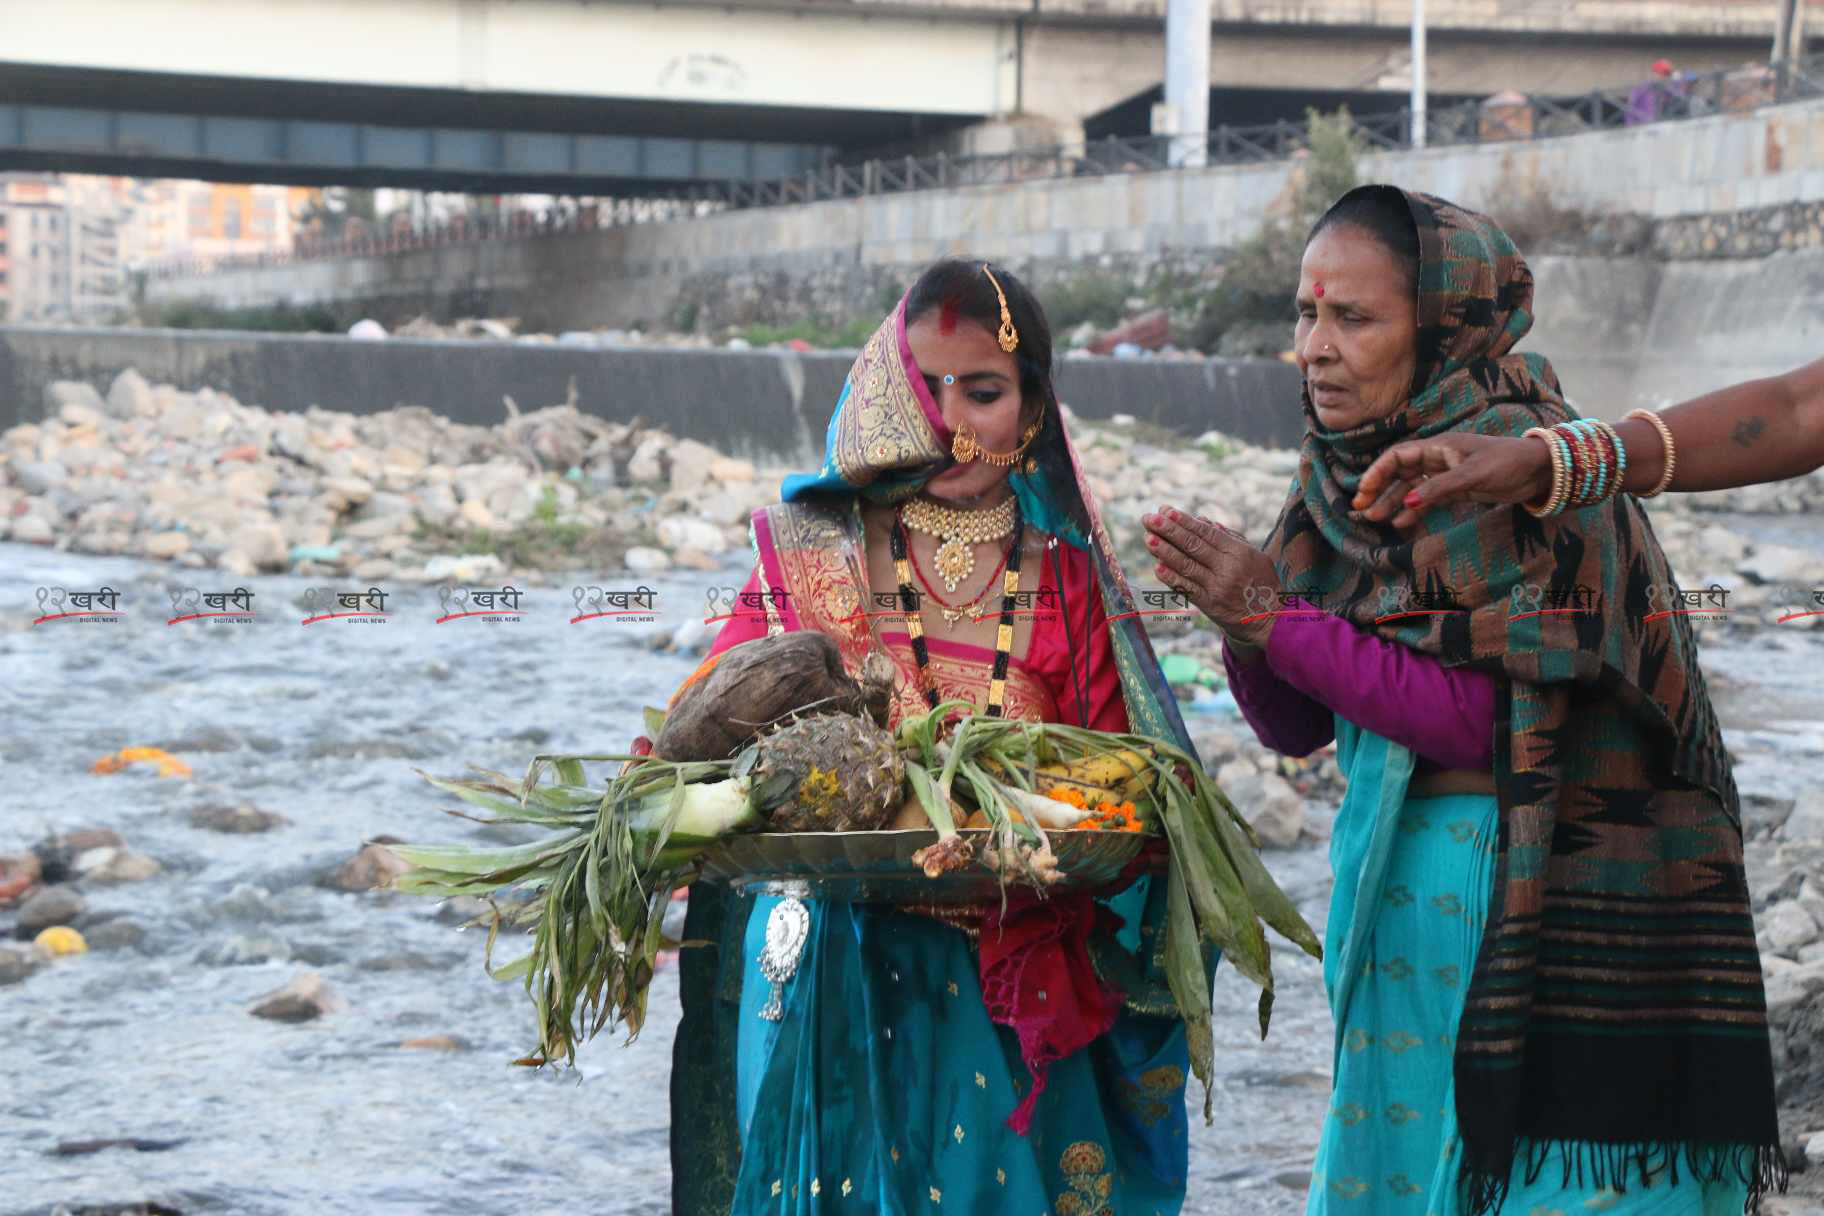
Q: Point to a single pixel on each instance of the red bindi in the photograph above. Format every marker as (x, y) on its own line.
(946, 318)
(1320, 291)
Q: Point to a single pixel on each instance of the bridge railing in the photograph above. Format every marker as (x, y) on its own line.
(1503, 118)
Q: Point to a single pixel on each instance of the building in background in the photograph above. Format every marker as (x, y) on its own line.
(69, 243)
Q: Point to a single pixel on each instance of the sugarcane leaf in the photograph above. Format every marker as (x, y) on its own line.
(1185, 976)
(570, 771)
(500, 799)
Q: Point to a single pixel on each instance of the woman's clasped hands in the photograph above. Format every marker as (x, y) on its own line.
(1228, 579)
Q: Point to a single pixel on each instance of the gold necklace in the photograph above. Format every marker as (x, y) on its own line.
(957, 533)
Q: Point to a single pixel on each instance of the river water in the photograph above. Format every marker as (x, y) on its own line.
(325, 724)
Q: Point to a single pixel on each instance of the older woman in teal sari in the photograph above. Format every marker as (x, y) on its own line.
(905, 1060)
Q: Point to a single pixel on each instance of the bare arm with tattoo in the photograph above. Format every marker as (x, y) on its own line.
(1758, 431)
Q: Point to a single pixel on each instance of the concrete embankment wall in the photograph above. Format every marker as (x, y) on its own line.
(759, 404)
(1625, 332)
(828, 258)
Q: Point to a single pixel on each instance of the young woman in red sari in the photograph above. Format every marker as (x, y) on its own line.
(918, 1060)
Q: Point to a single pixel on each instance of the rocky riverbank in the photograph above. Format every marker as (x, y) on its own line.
(245, 885)
(202, 481)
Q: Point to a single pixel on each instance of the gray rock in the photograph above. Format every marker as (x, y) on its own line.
(33, 528)
(1788, 987)
(1814, 1151)
(373, 868)
(16, 964)
(1787, 927)
(1779, 564)
(240, 820)
(124, 866)
(59, 393)
(1806, 822)
(463, 909)
(130, 396)
(52, 906)
(644, 560)
(306, 998)
(39, 476)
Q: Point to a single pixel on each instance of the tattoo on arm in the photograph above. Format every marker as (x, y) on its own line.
(1748, 430)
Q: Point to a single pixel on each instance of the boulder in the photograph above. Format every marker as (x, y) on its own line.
(372, 869)
(1789, 987)
(436, 1042)
(242, 819)
(77, 413)
(1806, 823)
(38, 477)
(642, 559)
(167, 544)
(19, 873)
(307, 997)
(124, 866)
(59, 393)
(16, 964)
(1787, 927)
(684, 532)
(1780, 564)
(257, 547)
(33, 528)
(57, 905)
(1277, 814)
(131, 397)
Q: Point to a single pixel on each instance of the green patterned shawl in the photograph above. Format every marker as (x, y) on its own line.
(1616, 1006)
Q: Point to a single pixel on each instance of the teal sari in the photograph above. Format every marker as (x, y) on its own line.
(885, 1087)
(1407, 915)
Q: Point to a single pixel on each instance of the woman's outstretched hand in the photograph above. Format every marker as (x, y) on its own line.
(1229, 580)
(1423, 473)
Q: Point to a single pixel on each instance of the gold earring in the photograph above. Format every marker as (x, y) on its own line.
(1007, 335)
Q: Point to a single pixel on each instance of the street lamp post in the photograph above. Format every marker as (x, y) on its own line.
(1418, 73)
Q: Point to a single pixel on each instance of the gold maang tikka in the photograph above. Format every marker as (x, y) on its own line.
(1007, 335)
(965, 447)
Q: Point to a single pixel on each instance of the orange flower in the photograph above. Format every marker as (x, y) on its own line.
(1068, 795)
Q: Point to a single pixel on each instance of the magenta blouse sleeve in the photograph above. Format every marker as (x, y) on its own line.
(1320, 663)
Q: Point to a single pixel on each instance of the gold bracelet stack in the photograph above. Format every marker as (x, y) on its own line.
(1588, 464)
(1665, 437)
(1554, 502)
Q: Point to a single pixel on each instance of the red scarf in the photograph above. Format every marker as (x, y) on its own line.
(1037, 978)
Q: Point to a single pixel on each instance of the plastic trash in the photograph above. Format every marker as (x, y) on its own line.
(316, 553)
(1181, 669)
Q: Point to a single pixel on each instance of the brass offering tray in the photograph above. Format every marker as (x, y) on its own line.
(877, 867)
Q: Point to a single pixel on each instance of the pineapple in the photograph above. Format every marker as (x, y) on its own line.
(830, 773)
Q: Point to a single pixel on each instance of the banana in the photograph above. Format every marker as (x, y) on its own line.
(1127, 774)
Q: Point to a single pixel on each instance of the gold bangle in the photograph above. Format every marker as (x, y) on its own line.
(1554, 501)
(1665, 437)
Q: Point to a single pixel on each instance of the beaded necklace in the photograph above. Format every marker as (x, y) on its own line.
(952, 613)
(915, 625)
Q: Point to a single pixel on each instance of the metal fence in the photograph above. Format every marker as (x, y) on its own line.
(1504, 118)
